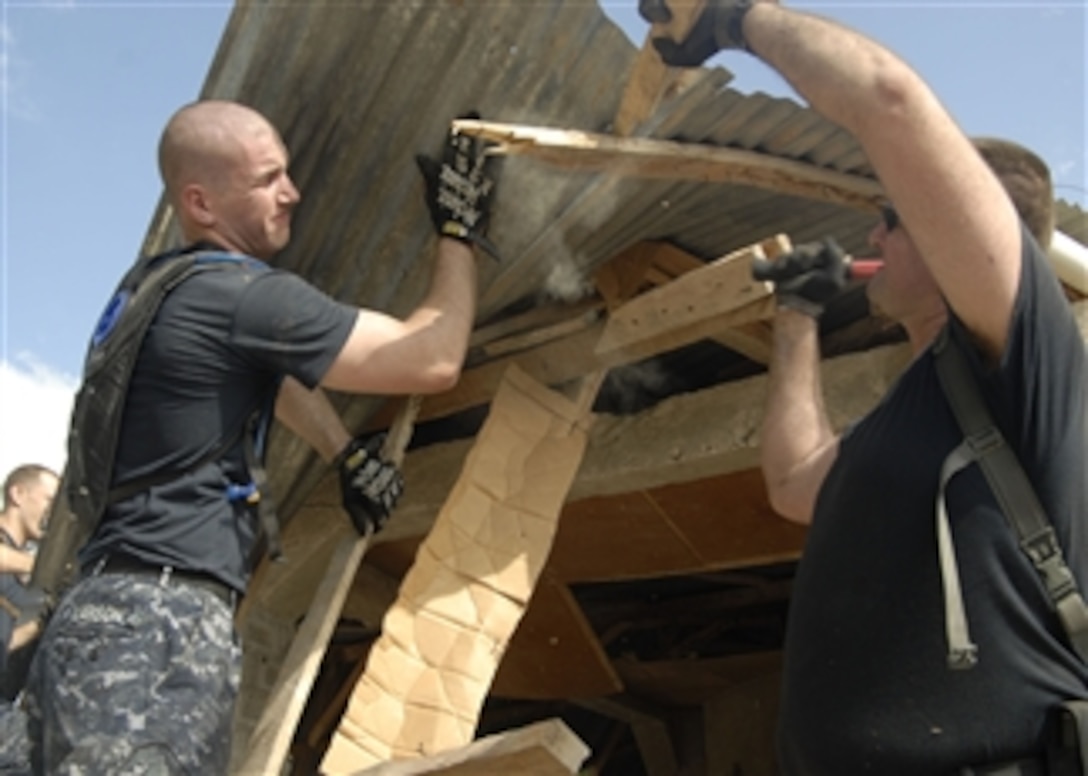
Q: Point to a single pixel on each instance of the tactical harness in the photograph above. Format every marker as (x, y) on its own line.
(984, 443)
(99, 405)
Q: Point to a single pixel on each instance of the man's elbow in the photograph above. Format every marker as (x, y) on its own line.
(897, 91)
(788, 502)
(440, 377)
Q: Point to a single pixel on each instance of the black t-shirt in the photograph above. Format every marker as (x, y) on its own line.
(214, 354)
(866, 687)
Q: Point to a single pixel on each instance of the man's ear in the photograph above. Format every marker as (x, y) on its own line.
(15, 495)
(194, 199)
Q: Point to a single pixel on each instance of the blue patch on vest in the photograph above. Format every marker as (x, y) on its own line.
(110, 317)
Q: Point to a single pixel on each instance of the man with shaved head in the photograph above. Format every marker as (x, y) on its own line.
(139, 666)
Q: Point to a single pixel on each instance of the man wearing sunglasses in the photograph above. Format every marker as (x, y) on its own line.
(867, 685)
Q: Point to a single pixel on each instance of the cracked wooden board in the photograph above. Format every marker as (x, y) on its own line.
(442, 640)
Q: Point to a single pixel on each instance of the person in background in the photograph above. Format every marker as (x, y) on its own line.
(28, 494)
(868, 683)
(138, 668)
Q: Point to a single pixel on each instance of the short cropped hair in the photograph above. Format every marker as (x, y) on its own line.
(23, 475)
(1026, 178)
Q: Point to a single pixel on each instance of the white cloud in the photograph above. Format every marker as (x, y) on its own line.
(35, 404)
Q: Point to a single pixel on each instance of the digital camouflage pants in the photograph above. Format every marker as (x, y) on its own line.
(134, 678)
(14, 744)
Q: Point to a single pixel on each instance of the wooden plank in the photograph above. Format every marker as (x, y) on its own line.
(428, 674)
(624, 275)
(271, 739)
(540, 336)
(752, 340)
(531, 319)
(669, 160)
(651, 79)
(667, 262)
(694, 306)
(554, 653)
(547, 748)
(662, 536)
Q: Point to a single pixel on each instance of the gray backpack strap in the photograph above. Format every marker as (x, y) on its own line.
(983, 442)
(962, 652)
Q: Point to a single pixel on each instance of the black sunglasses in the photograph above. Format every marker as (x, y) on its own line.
(890, 217)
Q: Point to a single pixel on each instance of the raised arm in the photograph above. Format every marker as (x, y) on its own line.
(797, 444)
(961, 220)
(424, 353)
(967, 229)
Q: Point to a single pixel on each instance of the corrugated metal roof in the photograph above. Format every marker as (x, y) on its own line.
(357, 89)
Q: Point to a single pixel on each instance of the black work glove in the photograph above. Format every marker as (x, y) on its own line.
(806, 278)
(718, 27)
(370, 486)
(460, 187)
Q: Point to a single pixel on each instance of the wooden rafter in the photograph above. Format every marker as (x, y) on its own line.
(651, 79)
(696, 305)
(654, 264)
(664, 159)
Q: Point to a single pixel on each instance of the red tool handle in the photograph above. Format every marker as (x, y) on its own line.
(863, 269)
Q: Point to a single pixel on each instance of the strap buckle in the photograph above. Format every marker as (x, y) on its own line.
(1046, 555)
(985, 441)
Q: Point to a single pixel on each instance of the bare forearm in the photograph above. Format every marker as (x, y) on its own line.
(957, 214)
(797, 442)
(24, 634)
(310, 415)
(446, 315)
(847, 77)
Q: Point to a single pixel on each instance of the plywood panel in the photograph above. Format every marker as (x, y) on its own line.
(618, 537)
(554, 652)
(728, 521)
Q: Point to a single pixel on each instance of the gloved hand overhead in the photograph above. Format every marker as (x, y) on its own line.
(460, 187)
(719, 26)
(370, 486)
(808, 277)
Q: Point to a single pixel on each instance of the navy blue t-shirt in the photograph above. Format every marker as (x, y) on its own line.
(866, 687)
(215, 352)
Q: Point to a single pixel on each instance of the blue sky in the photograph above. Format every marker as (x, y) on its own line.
(87, 86)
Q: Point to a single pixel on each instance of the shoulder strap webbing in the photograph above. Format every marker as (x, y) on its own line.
(984, 443)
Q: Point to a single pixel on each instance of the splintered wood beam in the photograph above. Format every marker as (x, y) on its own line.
(694, 306)
(651, 79)
(547, 748)
(659, 263)
(271, 739)
(668, 160)
(428, 674)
